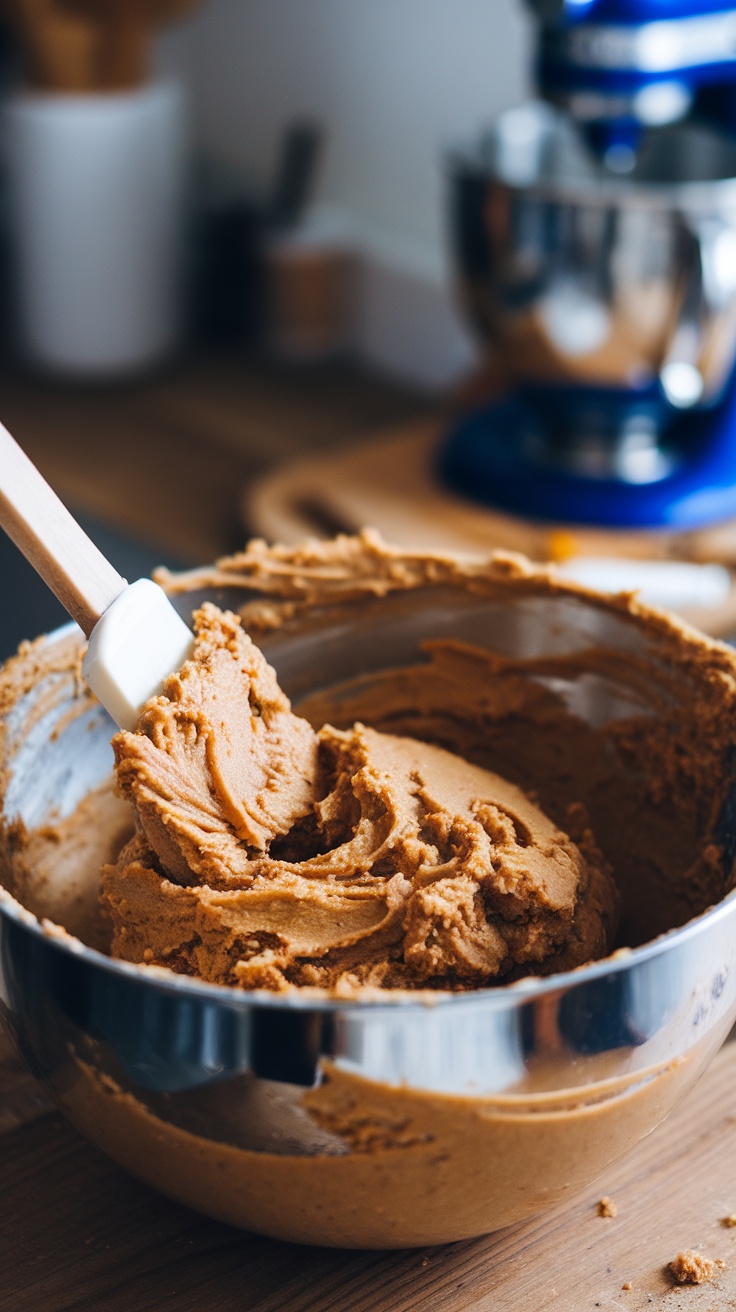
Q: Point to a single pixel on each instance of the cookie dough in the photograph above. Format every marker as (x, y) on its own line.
(270, 855)
(691, 1268)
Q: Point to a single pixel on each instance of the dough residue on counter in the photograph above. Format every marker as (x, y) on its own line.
(271, 855)
(691, 1268)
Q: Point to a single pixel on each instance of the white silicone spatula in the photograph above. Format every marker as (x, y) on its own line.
(135, 636)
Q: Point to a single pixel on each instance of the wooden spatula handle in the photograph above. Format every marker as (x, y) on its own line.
(51, 539)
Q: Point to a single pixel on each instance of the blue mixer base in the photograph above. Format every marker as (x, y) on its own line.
(484, 458)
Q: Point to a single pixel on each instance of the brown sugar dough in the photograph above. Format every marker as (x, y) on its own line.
(271, 855)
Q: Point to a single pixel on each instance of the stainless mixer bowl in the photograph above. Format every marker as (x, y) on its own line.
(459, 1113)
(575, 273)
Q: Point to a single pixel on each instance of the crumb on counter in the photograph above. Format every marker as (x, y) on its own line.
(729, 1221)
(691, 1268)
(627, 1285)
(607, 1207)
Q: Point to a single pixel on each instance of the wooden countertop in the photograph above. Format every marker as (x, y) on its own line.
(165, 462)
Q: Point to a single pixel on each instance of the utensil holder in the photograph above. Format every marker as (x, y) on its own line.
(96, 187)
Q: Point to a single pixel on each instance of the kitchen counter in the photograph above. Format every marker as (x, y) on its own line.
(158, 472)
(163, 464)
(165, 461)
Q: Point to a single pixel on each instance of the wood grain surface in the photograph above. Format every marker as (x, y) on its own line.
(77, 1233)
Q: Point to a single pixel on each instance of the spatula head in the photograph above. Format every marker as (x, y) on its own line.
(134, 646)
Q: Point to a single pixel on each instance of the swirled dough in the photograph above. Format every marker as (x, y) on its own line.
(270, 855)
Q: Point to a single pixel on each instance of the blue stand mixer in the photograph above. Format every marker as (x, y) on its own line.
(594, 231)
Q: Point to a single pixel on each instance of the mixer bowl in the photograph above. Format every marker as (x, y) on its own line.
(572, 273)
(394, 1120)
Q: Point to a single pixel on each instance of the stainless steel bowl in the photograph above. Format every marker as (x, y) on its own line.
(392, 1121)
(572, 272)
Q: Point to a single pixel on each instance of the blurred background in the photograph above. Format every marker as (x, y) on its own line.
(464, 270)
(314, 131)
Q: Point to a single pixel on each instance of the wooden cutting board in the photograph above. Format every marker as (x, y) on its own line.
(389, 482)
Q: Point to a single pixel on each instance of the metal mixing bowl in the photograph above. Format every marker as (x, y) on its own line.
(459, 1114)
(574, 273)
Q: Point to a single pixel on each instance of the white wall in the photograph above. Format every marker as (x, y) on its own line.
(394, 81)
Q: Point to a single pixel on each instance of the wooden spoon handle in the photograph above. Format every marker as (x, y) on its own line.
(51, 539)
